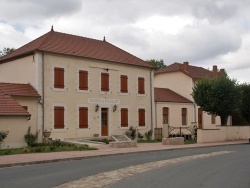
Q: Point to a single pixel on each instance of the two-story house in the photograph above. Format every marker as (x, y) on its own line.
(177, 107)
(88, 87)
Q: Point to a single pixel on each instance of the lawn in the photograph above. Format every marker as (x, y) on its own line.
(45, 148)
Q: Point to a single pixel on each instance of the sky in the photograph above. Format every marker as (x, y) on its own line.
(202, 32)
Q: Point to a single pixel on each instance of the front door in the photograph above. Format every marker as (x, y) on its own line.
(200, 118)
(104, 118)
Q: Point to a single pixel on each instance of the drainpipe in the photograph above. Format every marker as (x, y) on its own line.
(152, 100)
(43, 90)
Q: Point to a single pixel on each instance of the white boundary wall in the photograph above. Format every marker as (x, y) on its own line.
(223, 133)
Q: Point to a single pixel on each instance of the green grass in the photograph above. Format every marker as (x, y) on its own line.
(190, 142)
(148, 141)
(45, 149)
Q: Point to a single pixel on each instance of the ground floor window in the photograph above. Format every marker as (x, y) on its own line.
(124, 117)
(184, 116)
(59, 117)
(83, 117)
(165, 115)
(141, 117)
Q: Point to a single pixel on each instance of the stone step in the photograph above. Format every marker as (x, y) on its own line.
(120, 138)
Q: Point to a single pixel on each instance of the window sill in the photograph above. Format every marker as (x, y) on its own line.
(59, 89)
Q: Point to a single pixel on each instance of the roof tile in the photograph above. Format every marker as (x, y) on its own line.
(167, 95)
(67, 44)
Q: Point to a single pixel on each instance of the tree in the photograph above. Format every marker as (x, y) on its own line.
(218, 96)
(245, 101)
(6, 51)
(158, 64)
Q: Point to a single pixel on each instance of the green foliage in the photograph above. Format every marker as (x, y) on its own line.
(158, 64)
(218, 96)
(6, 51)
(3, 135)
(148, 134)
(140, 136)
(133, 132)
(30, 138)
(245, 101)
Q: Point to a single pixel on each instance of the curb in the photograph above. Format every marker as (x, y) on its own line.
(106, 155)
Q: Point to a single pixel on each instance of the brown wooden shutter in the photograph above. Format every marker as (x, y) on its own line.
(141, 113)
(83, 80)
(124, 117)
(165, 115)
(124, 83)
(141, 88)
(83, 117)
(58, 117)
(105, 82)
(58, 77)
(184, 116)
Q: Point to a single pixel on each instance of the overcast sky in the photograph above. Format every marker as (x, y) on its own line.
(203, 32)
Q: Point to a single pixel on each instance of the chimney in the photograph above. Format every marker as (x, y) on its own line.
(215, 71)
(222, 71)
(185, 66)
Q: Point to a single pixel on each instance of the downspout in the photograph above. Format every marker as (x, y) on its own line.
(152, 101)
(43, 90)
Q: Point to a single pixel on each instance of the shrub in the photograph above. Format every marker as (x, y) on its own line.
(140, 136)
(133, 132)
(30, 138)
(3, 135)
(148, 134)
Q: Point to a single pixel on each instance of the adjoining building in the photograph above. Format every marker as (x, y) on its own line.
(18, 111)
(175, 106)
(87, 87)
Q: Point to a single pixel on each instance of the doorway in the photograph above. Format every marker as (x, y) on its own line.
(104, 122)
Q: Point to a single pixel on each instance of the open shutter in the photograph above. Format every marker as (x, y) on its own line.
(141, 113)
(105, 82)
(58, 117)
(58, 77)
(141, 88)
(83, 117)
(124, 117)
(124, 84)
(83, 80)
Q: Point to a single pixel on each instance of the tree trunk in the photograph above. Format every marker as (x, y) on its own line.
(223, 120)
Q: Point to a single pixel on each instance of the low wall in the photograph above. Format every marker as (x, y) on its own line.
(123, 144)
(223, 133)
(173, 141)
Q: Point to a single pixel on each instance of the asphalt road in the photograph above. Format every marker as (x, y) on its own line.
(228, 170)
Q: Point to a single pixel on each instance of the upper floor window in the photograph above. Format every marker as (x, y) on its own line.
(124, 83)
(104, 81)
(165, 115)
(141, 85)
(59, 117)
(83, 117)
(141, 117)
(58, 77)
(124, 117)
(83, 80)
(184, 116)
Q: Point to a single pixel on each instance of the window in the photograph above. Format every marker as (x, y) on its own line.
(184, 116)
(83, 80)
(141, 117)
(26, 108)
(83, 117)
(58, 77)
(165, 115)
(124, 83)
(124, 117)
(59, 117)
(213, 119)
(141, 83)
(104, 82)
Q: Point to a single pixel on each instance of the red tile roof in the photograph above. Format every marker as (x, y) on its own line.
(25, 90)
(67, 44)
(193, 71)
(9, 106)
(167, 95)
